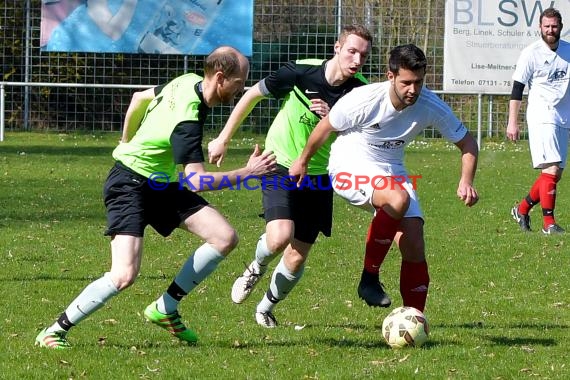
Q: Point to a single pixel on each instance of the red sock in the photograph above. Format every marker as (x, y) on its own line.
(532, 198)
(548, 197)
(414, 283)
(381, 233)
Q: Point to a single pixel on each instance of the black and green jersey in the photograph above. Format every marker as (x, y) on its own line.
(296, 83)
(170, 132)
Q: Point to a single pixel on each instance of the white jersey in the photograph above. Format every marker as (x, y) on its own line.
(371, 130)
(547, 74)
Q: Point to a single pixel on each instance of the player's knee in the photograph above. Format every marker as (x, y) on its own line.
(276, 242)
(398, 203)
(232, 241)
(414, 251)
(553, 169)
(223, 239)
(124, 279)
(294, 261)
(226, 243)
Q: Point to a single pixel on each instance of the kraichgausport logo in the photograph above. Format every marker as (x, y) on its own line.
(343, 181)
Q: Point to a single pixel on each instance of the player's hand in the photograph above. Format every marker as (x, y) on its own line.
(216, 151)
(298, 171)
(467, 194)
(513, 132)
(320, 107)
(261, 163)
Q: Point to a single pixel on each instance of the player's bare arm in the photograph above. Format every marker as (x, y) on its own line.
(469, 154)
(513, 131)
(258, 164)
(317, 138)
(135, 113)
(217, 147)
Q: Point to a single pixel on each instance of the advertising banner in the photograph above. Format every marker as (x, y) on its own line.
(484, 38)
(192, 27)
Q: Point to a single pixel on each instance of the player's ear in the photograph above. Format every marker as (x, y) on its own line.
(220, 77)
(337, 47)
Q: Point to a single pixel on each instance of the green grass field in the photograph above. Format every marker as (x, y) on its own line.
(498, 302)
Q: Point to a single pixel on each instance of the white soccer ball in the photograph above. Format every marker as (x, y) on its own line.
(405, 326)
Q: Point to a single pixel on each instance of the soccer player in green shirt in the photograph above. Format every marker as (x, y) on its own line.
(163, 129)
(294, 217)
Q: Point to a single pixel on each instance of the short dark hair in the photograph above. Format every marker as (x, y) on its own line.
(409, 57)
(551, 13)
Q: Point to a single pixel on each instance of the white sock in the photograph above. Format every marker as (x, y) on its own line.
(198, 266)
(91, 299)
(263, 256)
(265, 305)
(282, 282)
(166, 304)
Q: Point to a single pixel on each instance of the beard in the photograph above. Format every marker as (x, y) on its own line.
(550, 39)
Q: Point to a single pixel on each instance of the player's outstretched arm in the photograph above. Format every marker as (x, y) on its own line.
(469, 154)
(318, 137)
(217, 147)
(197, 178)
(135, 113)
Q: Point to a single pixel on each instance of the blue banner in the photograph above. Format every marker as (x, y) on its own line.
(189, 27)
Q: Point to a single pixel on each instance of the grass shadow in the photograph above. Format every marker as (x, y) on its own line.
(88, 150)
(482, 326)
(57, 150)
(522, 341)
(50, 277)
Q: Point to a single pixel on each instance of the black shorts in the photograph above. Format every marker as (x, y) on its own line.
(309, 207)
(132, 204)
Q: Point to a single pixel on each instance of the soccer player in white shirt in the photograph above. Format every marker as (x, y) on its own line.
(545, 67)
(374, 124)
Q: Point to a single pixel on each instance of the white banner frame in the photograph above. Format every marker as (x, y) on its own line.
(484, 38)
